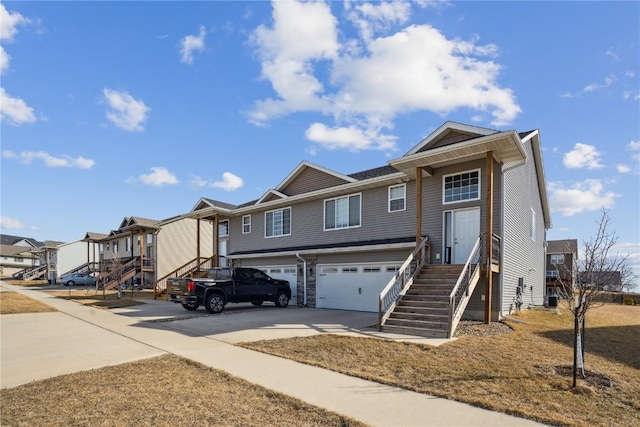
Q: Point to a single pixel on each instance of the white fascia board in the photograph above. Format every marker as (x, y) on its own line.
(542, 181)
(269, 192)
(398, 177)
(449, 125)
(348, 249)
(305, 164)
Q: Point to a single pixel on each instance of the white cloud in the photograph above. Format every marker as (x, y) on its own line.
(588, 195)
(229, 182)
(608, 81)
(4, 60)
(14, 224)
(190, 44)
(158, 177)
(126, 112)
(623, 168)
(375, 77)
(582, 156)
(64, 161)
(9, 23)
(350, 138)
(371, 18)
(14, 110)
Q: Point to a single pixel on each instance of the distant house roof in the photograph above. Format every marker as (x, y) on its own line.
(94, 236)
(374, 173)
(11, 250)
(567, 246)
(7, 239)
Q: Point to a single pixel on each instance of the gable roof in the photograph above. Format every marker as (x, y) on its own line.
(8, 239)
(464, 131)
(12, 250)
(89, 235)
(204, 203)
(304, 165)
(567, 246)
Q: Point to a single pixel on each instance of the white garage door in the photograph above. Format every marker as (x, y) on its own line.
(283, 272)
(352, 287)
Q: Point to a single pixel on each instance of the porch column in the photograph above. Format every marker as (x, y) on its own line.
(216, 241)
(141, 258)
(418, 205)
(198, 240)
(488, 234)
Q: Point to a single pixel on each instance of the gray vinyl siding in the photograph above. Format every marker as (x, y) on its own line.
(386, 256)
(434, 209)
(307, 224)
(176, 244)
(311, 179)
(451, 138)
(522, 256)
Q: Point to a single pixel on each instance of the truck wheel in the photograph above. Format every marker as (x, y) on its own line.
(282, 300)
(214, 303)
(256, 303)
(190, 306)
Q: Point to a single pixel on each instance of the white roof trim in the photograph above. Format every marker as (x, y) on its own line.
(360, 248)
(450, 126)
(305, 164)
(270, 192)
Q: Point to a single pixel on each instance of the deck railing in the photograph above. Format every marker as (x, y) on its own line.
(463, 289)
(402, 280)
(196, 264)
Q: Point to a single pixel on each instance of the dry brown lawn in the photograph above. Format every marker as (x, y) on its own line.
(16, 303)
(163, 391)
(526, 373)
(106, 300)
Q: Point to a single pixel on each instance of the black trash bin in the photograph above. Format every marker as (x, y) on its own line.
(553, 300)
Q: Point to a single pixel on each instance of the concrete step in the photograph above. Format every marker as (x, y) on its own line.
(430, 333)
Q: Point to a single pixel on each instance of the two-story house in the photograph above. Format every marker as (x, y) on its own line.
(146, 250)
(562, 264)
(468, 202)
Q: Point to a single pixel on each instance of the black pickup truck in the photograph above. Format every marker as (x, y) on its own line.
(228, 284)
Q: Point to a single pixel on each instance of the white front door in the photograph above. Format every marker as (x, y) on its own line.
(222, 253)
(466, 229)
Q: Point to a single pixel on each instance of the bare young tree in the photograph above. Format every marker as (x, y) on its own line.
(583, 291)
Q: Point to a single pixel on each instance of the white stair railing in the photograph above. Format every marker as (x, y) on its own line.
(461, 293)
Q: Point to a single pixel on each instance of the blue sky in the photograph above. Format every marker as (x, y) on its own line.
(114, 109)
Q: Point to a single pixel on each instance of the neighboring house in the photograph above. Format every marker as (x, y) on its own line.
(562, 264)
(151, 250)
(18, 255)
(80, 256)
(342, 238)
(602, 280)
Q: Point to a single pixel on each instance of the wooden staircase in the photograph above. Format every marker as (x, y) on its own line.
(424, 309)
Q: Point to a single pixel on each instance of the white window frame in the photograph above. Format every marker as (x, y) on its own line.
(335, 226)
(127, 244)
(246, 224)
(392, 199)
(444, 193)
(115, 246)
(223, 228)
(533, 225)
(557, 259)
(149, 238)
(282, 231)
(552, 274)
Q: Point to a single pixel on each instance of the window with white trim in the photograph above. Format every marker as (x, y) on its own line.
(342, 212)
(246, 224)
(397, 197)
(223, 228)
(128, 244)
(557, 259)
(461, 187)
(533, 225)
(149, 238)
(552, 274)
(277, 222)
(115, 246)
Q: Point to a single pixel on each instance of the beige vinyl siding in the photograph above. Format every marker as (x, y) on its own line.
(176, 244)
(311, 179)
(74, 254)
(522, 256)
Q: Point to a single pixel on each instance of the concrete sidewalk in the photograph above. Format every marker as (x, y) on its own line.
(38, 346)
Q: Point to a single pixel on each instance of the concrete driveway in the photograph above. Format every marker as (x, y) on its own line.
(244, 322)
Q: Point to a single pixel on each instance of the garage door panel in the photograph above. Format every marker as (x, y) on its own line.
(283, 272)
(352, 287)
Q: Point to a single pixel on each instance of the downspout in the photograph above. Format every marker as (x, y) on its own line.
(304, 278)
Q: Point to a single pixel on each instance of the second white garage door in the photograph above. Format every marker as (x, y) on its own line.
(352, 287)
